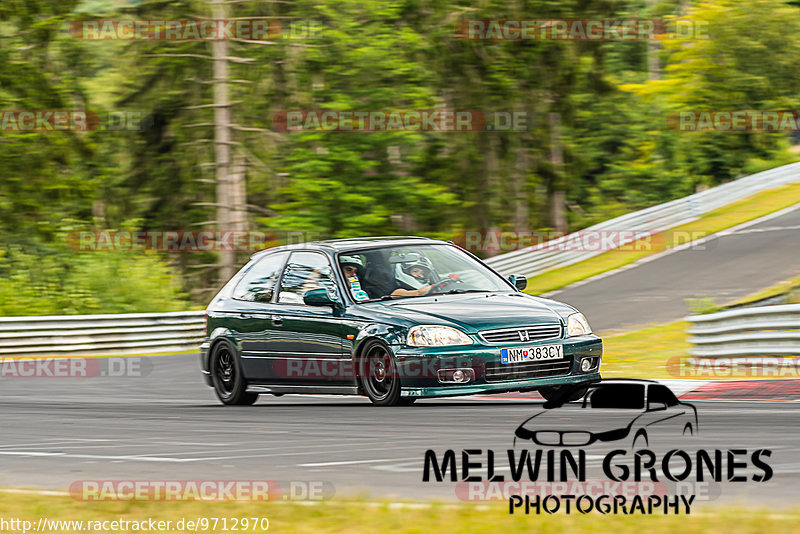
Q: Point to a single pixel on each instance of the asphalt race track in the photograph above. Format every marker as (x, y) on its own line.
(726, 268)
(169, 426)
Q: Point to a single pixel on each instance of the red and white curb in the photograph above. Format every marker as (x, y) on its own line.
(764, 390)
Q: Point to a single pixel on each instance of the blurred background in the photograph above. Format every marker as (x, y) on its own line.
(187, 137)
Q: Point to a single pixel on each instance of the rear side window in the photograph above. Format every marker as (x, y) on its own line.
(659, 393)
(304, 272)
(618, 396)
(258, 283)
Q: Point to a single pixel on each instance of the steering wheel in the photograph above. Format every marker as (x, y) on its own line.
(443, 286)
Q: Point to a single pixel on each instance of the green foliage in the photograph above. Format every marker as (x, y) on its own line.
(703, 305)
(747, 62)
(86, 283)
(619, 153)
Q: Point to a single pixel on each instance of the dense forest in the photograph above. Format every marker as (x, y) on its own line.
(595, 142)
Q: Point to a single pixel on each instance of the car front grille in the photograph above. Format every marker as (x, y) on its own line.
(496, 371)
(521, 334)
(569, 438)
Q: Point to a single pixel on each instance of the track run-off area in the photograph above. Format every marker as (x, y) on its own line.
(167, 425)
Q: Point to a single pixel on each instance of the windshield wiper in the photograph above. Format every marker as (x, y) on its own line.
(456, 291)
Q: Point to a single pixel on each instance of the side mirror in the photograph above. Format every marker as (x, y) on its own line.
(518, 280)
(655, 406)
(318, 297)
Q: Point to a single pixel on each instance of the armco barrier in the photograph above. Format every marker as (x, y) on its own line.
(762, 331)
(534, 260)
(766, 330)
(129, 333)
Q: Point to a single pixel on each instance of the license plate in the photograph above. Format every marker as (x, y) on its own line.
(528, 354)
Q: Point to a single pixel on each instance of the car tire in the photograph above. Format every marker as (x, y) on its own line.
(555, 393)
(378, 376)
(227, 378)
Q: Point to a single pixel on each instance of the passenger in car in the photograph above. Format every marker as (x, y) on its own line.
(421, 273)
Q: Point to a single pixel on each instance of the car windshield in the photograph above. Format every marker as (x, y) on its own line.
(615, 396)
(413, 271)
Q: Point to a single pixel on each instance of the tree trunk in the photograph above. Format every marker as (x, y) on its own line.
(653, 46)
(520, 189)
(222, 144)
(238, 194)
(558, 211)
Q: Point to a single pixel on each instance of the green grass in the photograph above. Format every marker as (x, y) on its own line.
(645, 353)
(354, 516)
(715, 221)
(786, 286)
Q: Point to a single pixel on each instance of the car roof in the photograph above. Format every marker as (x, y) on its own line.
(339, 245)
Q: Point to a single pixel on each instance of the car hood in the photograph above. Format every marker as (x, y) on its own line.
(573, 417)
(475, 311)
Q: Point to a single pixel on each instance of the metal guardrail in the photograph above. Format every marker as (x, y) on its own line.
(761, 331)
(129, 333)
(536, 259)
(767, 330)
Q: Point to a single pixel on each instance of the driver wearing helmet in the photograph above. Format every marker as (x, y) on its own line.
(421, 273)
(353, 270)
(351, 266)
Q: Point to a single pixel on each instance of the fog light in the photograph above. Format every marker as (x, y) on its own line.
(587, 364)
(456, 376)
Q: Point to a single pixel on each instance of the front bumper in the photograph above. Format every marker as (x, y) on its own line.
(418, 368)
(204, 366)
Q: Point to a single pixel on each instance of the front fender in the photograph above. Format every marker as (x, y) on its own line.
(389, 334)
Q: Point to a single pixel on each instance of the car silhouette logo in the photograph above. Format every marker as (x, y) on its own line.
(639, 412)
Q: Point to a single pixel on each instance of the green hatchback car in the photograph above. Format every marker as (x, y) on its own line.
(392, 318)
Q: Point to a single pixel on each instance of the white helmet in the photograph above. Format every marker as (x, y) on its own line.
(424, 264)
(403, 272)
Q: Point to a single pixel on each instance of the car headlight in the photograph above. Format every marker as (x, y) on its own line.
(577, 325)
(436, 336)
(613, 435)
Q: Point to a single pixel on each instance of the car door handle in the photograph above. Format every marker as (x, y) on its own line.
(245, 316)
(277, 320)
